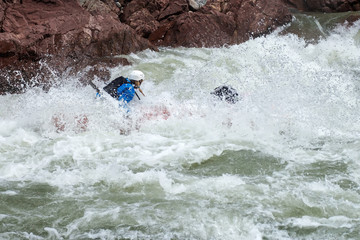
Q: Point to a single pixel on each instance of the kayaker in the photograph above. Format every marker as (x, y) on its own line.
(123, 89)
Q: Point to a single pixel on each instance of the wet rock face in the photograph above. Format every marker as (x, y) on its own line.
(193, 24)
(325, 5)
(63, 32)
(69, 30)
(64, 28)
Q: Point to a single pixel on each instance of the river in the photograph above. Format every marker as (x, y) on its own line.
(282, 163)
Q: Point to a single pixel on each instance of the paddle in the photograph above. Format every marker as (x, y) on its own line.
(94, 86)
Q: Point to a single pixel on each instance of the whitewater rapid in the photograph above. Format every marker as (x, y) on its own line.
(282, 163)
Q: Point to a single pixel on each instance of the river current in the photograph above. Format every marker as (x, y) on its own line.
(282, 163)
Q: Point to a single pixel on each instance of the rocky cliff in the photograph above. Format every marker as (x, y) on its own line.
(63, 33)
(72, 34)
(325, 5)
(219, 22)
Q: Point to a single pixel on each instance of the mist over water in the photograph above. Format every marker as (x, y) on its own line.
(282, 163)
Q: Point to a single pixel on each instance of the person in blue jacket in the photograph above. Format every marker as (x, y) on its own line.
(126, 91)
(123, 89)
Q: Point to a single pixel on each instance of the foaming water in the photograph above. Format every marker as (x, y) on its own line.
(282, 163)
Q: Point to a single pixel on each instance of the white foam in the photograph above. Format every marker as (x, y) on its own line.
(314, 222)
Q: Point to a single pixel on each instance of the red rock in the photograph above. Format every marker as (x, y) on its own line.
(219, 22)
(324, 5)
(62, 32)
(199, 30)
(143, 22)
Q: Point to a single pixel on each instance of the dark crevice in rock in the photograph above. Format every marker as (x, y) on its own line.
(47, 35)
(3, 18)
(7, 55)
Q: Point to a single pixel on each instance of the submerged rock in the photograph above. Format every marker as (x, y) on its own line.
(226, 93)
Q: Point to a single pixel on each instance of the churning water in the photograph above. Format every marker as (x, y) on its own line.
(282, 163)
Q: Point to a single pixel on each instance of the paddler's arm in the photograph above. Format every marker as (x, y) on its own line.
(141, 92)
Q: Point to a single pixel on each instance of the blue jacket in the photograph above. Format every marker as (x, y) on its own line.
(126, 92)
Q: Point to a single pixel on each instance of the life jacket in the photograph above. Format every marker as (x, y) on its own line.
(112, 87)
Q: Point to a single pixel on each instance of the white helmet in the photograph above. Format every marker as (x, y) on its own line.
(137, 75)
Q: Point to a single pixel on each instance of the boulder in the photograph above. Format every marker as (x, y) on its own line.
(63, 33)
(190, 23)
